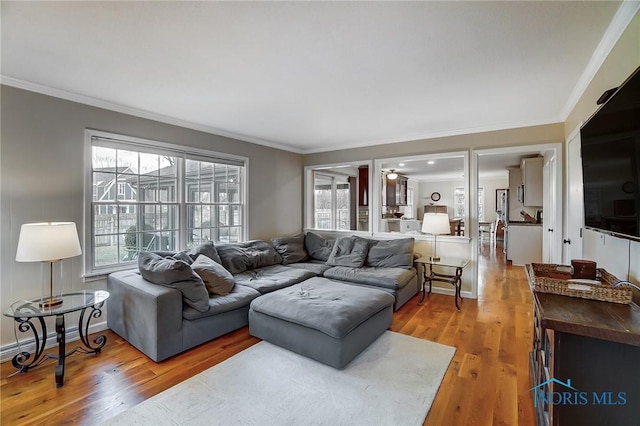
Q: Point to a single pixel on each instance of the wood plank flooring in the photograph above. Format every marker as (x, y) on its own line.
(487, 382)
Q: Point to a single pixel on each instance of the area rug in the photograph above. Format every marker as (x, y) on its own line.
(393, 382)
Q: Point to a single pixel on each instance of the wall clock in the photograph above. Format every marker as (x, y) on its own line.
(628, 187)
(435, 196)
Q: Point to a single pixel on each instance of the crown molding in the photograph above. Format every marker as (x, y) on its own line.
(621, 20)
(98, 103)
(434, 135)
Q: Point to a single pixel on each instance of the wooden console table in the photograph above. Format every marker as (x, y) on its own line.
(584, 361)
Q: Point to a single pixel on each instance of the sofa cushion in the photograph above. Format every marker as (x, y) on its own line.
(175, 274)
(272, 278)
(349, 251)
(208, 249)
(218, 280)
(291, 249)
(389, 278)
(239, 297)
(309, 303)
(318, 247)
(316, 266)
(397, 253)
(239, 257)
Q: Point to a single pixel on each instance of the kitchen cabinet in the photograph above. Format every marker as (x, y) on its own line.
(363, 185)
(395, 191)
(583, 360)
(524, 243)
(531, 169)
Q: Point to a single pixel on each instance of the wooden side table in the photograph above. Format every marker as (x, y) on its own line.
(454, 279)
(24, 312)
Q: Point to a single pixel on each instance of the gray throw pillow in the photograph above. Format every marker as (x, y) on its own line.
(318, 248)
(175, 274)
(219, 281)
(208, 249)
(349, 251)
(396, 253)
(178, 255)
(239, 257)
(290, 248)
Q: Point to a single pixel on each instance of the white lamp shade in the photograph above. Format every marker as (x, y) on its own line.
(436, 223)
(47, 242)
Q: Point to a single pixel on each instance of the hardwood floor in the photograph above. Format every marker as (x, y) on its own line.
(487, 381)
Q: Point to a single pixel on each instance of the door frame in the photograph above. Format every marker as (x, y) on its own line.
(548, 151)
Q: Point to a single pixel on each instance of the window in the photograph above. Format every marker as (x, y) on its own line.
(408, 210)
(331, 200)
(459, 202)
(337, 196)
(147, 195)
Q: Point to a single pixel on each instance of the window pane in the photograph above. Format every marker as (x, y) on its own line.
(105, 219)
(127, 161)
(149, 163)
(168, 190)
(102, 158)
(148, 189)
(105, 250)
(128, 219)
(150, 218)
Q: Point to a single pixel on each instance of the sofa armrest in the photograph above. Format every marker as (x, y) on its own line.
(147, 315)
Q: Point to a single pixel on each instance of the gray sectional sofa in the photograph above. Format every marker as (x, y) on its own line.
(178, 300)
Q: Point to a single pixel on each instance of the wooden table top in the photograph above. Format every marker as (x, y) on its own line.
(614, 322)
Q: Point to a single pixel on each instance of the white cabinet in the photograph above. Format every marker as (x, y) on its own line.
(524, 243)
(532, 180)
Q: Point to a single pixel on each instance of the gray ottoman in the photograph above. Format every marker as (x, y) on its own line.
(329, 321)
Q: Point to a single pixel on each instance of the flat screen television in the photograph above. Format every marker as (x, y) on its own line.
(610, 142)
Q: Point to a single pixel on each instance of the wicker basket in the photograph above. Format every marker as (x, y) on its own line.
(556, 279)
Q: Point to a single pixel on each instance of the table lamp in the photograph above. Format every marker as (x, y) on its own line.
(48, 242)
(435, 224)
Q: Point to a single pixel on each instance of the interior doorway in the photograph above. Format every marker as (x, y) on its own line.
(499, 172)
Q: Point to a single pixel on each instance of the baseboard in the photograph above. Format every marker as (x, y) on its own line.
(7, 352)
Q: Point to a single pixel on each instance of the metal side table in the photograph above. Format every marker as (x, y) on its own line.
(27, 312)
(454, 279)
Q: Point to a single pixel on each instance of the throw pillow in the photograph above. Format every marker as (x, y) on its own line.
(349, 251)
(319, 248)
(239, 257)
(178, 255)
(397, 253)
(219, 281)
(175, 274)
(208, 249)
(290, 248)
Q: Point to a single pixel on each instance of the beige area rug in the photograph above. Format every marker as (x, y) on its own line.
(393, 382)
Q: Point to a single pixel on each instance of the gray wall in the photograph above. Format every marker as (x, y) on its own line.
(550, 133)
(42, 172)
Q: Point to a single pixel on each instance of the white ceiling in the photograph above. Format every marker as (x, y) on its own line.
(315, 76)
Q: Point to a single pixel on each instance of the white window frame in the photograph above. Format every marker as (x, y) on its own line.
(181, 151)
(309, 199)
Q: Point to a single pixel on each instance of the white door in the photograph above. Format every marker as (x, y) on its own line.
(549, 231)
(575, 202)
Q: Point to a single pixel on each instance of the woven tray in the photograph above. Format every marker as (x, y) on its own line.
(556, 279)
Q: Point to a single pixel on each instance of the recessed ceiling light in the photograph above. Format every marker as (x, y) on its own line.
(431, 162)
(400, 164)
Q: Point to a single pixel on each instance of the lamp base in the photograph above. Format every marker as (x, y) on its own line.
(435, 259)
(50, 302)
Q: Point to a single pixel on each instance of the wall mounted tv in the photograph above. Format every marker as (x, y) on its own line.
(611, 162)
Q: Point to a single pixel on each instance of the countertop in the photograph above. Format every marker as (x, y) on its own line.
(522, 223)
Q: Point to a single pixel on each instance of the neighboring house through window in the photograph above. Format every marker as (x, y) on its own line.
(148, 195)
